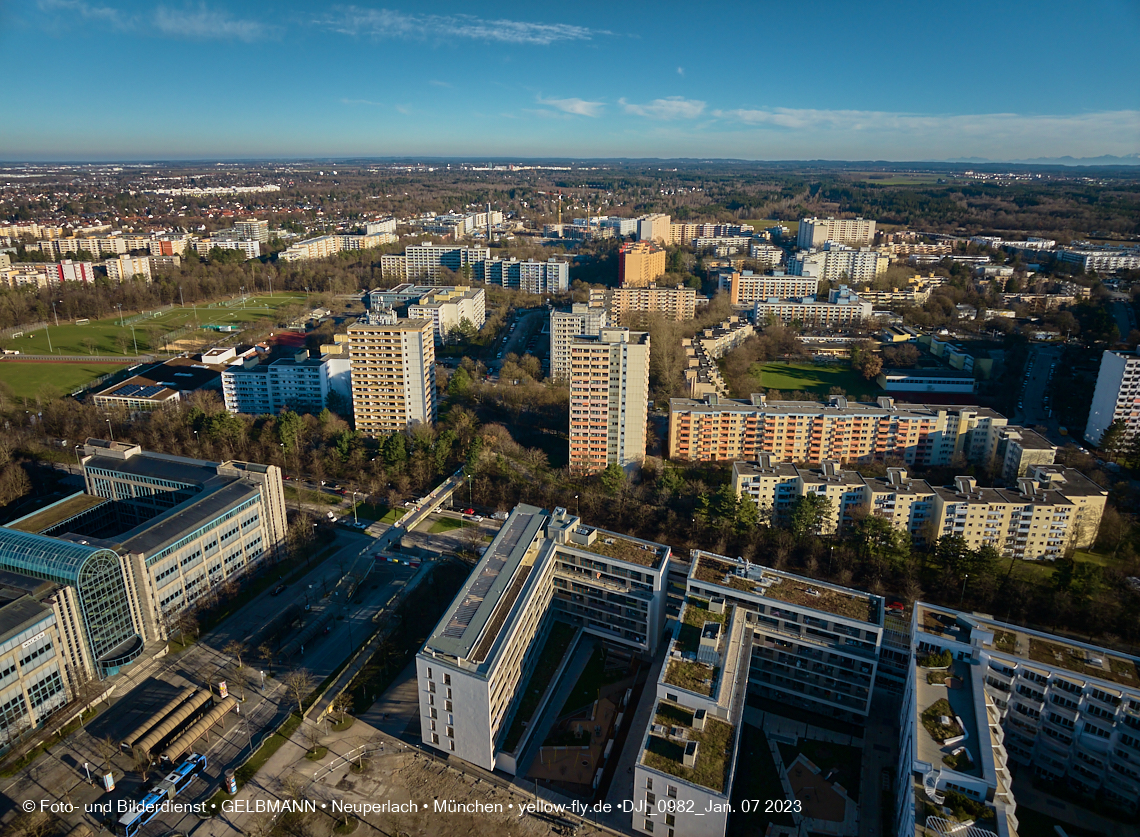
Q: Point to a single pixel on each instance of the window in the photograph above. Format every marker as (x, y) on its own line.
(434, 738)
(649, 826)
(451, 746)
(672, 791)
(431, 688)
(651, 799)
(649, 784)
(447, 679)
(670, 819)
(429, 672)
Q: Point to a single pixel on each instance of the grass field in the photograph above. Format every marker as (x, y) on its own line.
(1041, 572)
(764, 223)
(808, 377)
(27, 378)
(446, 524)
(107, 337)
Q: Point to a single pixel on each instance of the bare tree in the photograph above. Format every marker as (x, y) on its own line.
(342, 704)
(312, 733)
(299, 683)
(235, 648)
(268, 654)
(33, 824)
(240, 678)
(142, 764)
(107, 748)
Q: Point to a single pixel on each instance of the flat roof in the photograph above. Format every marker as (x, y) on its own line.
(178, 374)
(672, 732)
(792, 589)
(20, 615)
(158, 466)
(622, 548)
(799, 408)
(57, 512)
(158, 532)
(458, 631)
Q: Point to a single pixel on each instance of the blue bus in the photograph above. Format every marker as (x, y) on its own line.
(166, 789)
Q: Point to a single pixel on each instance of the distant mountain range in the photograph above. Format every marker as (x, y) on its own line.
(1103, 160)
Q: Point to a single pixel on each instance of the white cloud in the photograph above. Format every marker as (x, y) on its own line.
(87, 11)
(672, 107)
(680, 71)
(205, 23)
(579, 107)
(387, 23)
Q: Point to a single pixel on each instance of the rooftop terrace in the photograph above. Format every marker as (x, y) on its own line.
(794, 590)
(630, 550)
(672, 731)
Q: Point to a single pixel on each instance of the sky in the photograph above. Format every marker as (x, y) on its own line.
(227, 79)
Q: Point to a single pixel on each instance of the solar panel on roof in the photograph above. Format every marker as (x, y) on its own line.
(495, 561)
(138, 391)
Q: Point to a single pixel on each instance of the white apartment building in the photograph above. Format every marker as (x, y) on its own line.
(747, 288)
(449, 308)
(542, 567)
(1117, 395)
(582, 318)
(392, 374)
(426, 261)
(254, 229)
(656, 227)
(764, 253)
(125, 268)
(842, 307)
(386, 225)
(251, 249)
(532, 277)
(299, 383)
(838, 262)
(814, 232)
(609, 399)
(621, 226)
(329, 245)
(1101, 261)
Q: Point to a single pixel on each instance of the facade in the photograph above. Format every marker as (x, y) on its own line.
(582, 318)
(250, 249)
(1117, 395)
(630, 304)
(532, 277)
(151, 535)
(837, 262)
(656, 228)
(747, 288)
(609, 399)
(125, 268)
(640, 263)
(681, 233)
(384, 225)
(815, 232)
(36, 675)
(329, 245)
(427, 261)
(775, 487)
(541, 567)
(1101, 261)
(843, 307)
(448, 308)
(926, 380)
(1019, 449)
(254, 229)
(299, 383)
(702, 375)
(401, 295)
(765, 254)
(393, 375)
(621, 226)
(722, 429)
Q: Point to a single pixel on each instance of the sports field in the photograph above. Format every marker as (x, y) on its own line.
(27, 378)
(108, 337)
(808, 377)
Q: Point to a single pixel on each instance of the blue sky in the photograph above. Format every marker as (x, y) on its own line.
(1001, 79)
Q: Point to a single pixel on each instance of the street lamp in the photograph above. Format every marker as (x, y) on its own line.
(355, 519)
(110, 429)
(55, 315)
(119, 305)
(135, 339)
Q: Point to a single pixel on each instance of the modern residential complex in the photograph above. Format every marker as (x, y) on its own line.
(747, 288)
(722, 429)
(657, 227)
(533, 277)
(44, 274)
(1101, 261)
(151, 535)
(253, 229)
(249, 247)
(609, 399)
(842, 307)
(393, 375)
(631, 305)
(329, 245)
(541, 567)
(640, 264)
(450, 309)
(765, 254)
(815, 232)
(428, 261)
(582, 318)
(1117, 395)
(300, 383)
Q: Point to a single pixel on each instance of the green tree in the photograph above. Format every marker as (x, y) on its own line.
(808, 515)
(747, 514)
(1114, 444)
(669, 483)
(289, 427)
(613, 479)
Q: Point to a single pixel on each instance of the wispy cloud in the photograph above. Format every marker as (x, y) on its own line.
(87, 11)
(672, 107)
(388, 23)
(578, 107)
(438, 83)
(680, 71)
(363, 102)
(201, 22)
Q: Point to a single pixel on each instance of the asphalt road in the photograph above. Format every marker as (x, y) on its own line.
(1033, 410)
(528, 322)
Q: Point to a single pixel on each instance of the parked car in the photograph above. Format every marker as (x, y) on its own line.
(279, 589)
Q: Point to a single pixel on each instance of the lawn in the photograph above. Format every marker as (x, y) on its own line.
(392, 515)
(590, 683)
(446, 524)
(316, 498)
(27, 378)
(789, 377)
(1041, 572)
(372, 511)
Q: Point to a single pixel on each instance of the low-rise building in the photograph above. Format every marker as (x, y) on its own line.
(161, 385)
(450, 309)
(842, 307)
(926, 380)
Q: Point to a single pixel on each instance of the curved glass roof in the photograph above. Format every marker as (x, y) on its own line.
(44, 557)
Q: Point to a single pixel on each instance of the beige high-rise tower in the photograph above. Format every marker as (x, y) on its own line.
(393, 375)
(609, 399)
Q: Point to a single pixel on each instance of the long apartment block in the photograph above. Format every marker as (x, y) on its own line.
(747, 288)
(541, 567)
(722, 429)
